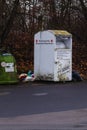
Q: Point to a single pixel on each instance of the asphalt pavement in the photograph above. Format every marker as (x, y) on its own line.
(43, 106)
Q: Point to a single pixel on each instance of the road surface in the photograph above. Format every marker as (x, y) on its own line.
(44, 106)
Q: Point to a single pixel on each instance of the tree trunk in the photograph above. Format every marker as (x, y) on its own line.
(84, 9)
(9, 23)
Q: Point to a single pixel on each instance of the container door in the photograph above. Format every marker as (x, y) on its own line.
(63, 69)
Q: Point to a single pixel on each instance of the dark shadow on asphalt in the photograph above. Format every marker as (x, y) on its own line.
(41, 97)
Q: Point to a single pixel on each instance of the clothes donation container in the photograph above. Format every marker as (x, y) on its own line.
(53, 55)
(8, 71)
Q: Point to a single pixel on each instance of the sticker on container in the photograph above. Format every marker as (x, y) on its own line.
(9, 67)
(3, 64)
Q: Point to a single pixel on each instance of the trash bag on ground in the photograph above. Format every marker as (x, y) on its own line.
(76, 76)
(27, 77)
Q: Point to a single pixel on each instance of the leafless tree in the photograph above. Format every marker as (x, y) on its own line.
(9, 22)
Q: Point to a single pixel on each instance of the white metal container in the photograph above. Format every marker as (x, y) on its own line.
(53, 55)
